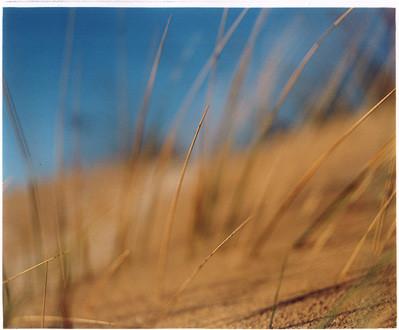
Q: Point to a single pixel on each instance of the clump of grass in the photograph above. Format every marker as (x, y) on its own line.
(266, 124)
(168, 144)
(299, 186)
(348, 194)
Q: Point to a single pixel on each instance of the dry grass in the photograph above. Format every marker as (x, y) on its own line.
(179, 265)
(311, 172)
(349, 194)
(32, 181)
(143, 236)
(45, 262)
(362, 240)
(44, 296)
(164, 250)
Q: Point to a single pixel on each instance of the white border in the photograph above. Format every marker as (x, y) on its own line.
(201, 3)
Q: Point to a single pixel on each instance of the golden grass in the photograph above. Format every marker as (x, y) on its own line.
(226, 188)
(299, 186)
(360, 244)
(349, 193)
(266, 175)
(164, 250)
(139, 131)
(388, 235)
(270, 117)
(13, 277)
(388, 187)
(167, 146)
(117, 263)
(261, 206)
(44, 296)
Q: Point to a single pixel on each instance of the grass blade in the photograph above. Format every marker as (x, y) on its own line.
(128, 175)
(44, 296)
(163, 255)
(139, 131)
(32, 183)
(11, 278)
(189, 279)
(276, 295)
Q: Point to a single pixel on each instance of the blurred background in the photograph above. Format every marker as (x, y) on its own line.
(93, 65)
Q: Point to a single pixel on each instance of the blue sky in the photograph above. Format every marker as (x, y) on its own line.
(112, 53)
